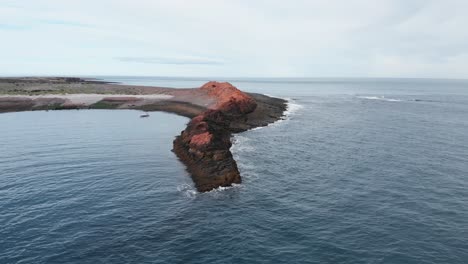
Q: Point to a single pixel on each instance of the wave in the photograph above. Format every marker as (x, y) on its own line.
(292, 108)
(380, 98)
(241, 144)
(189, 191)
(221, 188)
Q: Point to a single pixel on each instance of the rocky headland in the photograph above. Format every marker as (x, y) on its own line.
(216, 110)
(204, 146)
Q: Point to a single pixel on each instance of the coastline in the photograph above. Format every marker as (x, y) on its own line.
(204, 146)
(217, 110)
(237, 144)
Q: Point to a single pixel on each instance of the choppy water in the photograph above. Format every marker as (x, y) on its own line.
(362, 171)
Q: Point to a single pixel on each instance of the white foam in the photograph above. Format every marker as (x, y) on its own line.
(292, 107)
(272, 96)
(380, 98)
(188, 190)
(255, 128)
(241, 144)
(221, 188)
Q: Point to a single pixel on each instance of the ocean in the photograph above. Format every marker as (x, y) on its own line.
(360, 171)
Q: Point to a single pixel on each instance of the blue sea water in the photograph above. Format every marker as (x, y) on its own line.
(361, 171)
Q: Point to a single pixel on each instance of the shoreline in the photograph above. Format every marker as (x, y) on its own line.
(87, 99)
(217, 111)
(59, 93)
(204, 146)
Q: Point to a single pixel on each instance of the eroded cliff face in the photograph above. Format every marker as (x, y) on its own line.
(204, 146)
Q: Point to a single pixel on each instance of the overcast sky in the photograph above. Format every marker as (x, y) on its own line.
(243, 38)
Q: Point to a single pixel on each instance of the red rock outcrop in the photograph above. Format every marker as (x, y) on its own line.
(204, 145)
(229, 99)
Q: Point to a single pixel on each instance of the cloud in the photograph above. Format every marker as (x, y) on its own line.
(12, 27)
(172, 60)
(297, 38)
(63, 23)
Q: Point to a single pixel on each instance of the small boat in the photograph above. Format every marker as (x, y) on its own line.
(144, 115)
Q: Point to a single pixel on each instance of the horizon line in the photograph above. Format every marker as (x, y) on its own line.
(226, 77)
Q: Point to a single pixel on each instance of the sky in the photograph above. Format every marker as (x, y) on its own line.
(238, 38)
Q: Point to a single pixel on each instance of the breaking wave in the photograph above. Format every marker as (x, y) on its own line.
(189, 191)
(380, 98)
(292, 108)
(241, 144)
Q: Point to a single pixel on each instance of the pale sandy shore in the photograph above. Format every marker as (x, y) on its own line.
(89, 99)
(62, 93)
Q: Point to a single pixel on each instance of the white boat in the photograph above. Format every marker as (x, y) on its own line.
(144, 115)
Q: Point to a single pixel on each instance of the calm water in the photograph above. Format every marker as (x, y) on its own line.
(362, 171)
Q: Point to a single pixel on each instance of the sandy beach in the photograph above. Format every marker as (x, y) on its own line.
(89, 99)
(60, 93)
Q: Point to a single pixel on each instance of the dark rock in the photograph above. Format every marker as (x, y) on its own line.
(204, 145)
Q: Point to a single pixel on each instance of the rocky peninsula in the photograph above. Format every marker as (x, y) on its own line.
(216, 110)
